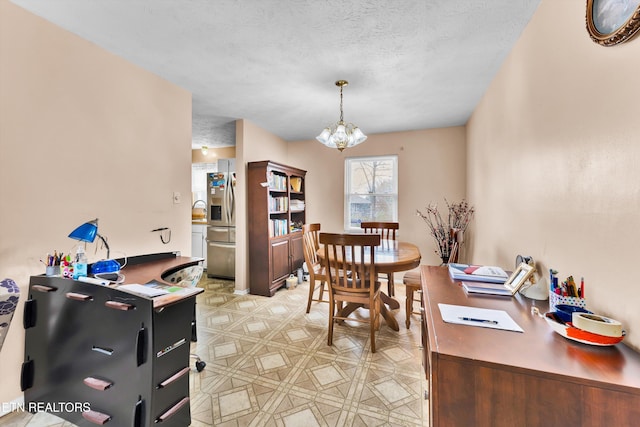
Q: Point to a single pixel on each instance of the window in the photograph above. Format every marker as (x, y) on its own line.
(371, 190)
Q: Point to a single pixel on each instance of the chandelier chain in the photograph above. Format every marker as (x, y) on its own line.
(341, 114)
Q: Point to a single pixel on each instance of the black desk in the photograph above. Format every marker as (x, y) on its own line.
(95, 352)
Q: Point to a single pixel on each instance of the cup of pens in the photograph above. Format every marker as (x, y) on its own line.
(52, 264)
(566, 293)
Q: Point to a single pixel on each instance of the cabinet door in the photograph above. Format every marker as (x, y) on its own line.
(203, 248)
(196, 244)
(280, 262)
(297, 251)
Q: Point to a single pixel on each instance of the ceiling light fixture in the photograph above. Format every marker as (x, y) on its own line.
(204, 149)
(341, 135)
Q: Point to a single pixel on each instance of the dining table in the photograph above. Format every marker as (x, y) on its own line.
(391, 256)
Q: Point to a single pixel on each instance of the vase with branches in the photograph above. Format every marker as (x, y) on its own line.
(448, 234)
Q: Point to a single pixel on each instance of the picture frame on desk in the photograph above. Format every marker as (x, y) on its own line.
(521, 274)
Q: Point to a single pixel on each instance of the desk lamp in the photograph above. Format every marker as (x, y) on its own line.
(87, 232)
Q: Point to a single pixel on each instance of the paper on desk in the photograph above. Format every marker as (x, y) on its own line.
(148, 291)
(455, 313)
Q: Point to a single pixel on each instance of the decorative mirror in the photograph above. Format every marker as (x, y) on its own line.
(610, 22)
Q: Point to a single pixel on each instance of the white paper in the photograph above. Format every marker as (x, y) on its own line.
(486, 270)
(144, 290)
(456, 313)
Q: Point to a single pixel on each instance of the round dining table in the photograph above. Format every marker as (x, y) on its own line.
(391, 256)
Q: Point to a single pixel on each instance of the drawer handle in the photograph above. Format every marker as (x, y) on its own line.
(30, 313)
(96, 417)
(138, 414)
(27, 374)
(119, 305)
(175, 408)
(43, 288)
(78, 297)
(174, 377)
(141, 346)
(97, 384)
(103, 350)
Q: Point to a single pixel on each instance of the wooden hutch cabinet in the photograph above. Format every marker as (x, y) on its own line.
(276, 214)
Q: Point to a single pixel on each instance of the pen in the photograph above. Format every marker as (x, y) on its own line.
(471, 319)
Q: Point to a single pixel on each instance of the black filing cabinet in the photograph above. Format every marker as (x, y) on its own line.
(99, 355)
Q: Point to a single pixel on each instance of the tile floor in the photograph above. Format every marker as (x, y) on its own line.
(268, 364)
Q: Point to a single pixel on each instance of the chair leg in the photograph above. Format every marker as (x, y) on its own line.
(331, 311)
(373, 312)
(408, 306)
(312, 287)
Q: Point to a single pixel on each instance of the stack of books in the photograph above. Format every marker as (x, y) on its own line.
(477, 273)
(481, 279)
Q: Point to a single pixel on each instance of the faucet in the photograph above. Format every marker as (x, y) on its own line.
(198, 201)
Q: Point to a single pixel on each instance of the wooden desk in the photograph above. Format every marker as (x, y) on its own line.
(486, 377)
(390, 257)
(124, 355)
(146, 270)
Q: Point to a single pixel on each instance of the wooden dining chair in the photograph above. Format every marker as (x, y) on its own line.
(317, 277)
(412, 280)
(350, 267)
(387, 231)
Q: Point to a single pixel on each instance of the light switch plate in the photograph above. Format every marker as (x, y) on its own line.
(177, 197)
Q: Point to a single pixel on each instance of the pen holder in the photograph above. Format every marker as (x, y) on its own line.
(52, 270)
(555, 299)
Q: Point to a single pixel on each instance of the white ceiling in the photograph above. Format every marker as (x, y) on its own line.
(411, 64)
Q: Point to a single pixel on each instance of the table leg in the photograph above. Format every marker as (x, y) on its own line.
(388, 316)
(390, 301)
(348, 309)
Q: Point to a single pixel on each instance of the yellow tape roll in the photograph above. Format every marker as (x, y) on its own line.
(597, 324)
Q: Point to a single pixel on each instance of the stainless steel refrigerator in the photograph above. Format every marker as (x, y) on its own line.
(221, 219)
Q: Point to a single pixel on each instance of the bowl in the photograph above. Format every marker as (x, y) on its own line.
(565, 312)
(296, 184)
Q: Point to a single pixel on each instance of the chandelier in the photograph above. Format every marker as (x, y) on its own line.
(341, 135)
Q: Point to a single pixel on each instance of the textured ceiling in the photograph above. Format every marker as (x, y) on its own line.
(411, 64)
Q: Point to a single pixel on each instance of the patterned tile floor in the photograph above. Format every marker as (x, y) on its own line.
(268, 364)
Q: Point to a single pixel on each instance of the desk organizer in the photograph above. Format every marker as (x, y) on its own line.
(555, 299)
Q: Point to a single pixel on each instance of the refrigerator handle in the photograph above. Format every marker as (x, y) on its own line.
(230, 197)
(227, 192)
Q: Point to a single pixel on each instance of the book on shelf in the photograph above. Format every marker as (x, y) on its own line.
(477, 273)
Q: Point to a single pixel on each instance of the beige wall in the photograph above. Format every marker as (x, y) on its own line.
(553, 160)
(253, 144)
(83, 134)
(431, 166)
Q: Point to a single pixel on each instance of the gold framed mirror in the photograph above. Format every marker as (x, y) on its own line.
(610, 22)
